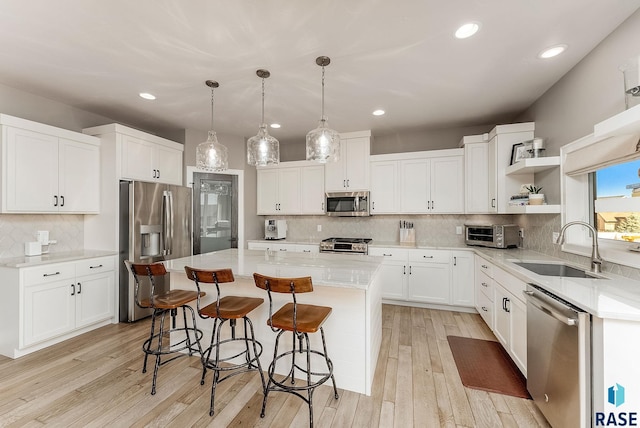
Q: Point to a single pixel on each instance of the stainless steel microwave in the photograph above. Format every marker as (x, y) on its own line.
(493, 235)
(347, 204)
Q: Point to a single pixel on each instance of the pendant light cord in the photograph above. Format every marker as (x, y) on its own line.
(212, 109)
(262, 100)
(322, 114)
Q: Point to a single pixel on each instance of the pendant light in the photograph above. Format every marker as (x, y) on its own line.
(211, 155)
(323, 143)
(263, 149)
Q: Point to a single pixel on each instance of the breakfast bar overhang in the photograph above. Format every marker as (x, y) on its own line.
(349, 284)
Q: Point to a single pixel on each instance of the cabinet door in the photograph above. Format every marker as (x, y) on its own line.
(168, 163)
(462, 278)
(30, 171)
(312, 190)
(137, 159)
(502, 319)
(485, 307)
(414, 186)
(384, 195)
(392, 275)
(49, 310)
(518, 339)
(476, 159)
(94, 298)
(334, 172)
(429, 282)
(79, 177)
(357, 163)
(289, 191)
(447, 185)
(267, 191)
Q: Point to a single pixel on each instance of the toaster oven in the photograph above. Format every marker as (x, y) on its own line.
(493, 235)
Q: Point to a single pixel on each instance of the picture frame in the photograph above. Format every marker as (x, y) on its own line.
(520, 151)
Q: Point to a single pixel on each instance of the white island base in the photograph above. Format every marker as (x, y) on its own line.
(353, 331)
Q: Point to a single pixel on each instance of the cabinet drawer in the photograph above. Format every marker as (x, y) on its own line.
(485, 285)
(92, 266)
(430, 256)
(390, 253)
(485, 308)
(485, 266)
(49, 273)
(510, 283)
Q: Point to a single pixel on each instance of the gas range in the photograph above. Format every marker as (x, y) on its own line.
(345, 245)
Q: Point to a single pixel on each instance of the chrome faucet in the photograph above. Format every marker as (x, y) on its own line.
(596, 260)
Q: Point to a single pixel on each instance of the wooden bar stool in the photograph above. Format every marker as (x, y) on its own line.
(300, 319)
(159, 342)
(227, 308)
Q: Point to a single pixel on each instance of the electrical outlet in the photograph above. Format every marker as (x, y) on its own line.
(555, 236)
(521, 232)
(319, 228)
(458, 230)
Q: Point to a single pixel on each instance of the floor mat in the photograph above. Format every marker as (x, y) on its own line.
(484, 364)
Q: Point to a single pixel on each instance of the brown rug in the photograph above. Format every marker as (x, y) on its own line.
(485, 365)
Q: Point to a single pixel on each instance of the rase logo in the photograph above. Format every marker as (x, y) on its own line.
(615, 396)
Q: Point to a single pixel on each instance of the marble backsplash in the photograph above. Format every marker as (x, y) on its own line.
(16, 229)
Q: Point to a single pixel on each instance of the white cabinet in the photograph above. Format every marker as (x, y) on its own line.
(438, 277)
(278, 191)
(384, 182)
(47, 169)
(312, 190)
(291, 188)
(462, 278)
(351, 171)
(484, 290)
(476, 168)
(137, 155)
(143, 159)
(282, 246)
(50, 303)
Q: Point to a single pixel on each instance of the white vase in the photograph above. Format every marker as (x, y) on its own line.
(536, 198)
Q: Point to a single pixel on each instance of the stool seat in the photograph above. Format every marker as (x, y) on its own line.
(309, 318)
(172, 299)
(232, 307)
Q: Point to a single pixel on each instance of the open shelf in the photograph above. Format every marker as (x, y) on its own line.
(534, 209)
(533, 165)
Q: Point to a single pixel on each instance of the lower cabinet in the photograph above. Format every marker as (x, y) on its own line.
(501, 304)
(281, 246)
(53, 301)
(427, 276)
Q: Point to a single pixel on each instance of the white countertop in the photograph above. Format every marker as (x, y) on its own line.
(49, 258)
(615, 297)
(337, 270)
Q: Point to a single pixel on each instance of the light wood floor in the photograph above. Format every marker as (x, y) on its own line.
(96, 380)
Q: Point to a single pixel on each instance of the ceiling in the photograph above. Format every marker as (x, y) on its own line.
(399, 55)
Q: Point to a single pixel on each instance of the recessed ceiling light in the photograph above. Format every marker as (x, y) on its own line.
(552, 51)
(275, 125)
(147, 96)
(467, 30)
(378, 112)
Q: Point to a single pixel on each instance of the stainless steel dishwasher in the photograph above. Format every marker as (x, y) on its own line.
(558, 358)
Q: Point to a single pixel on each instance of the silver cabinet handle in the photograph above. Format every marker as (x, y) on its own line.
(51, 274)
(427, 257)
(79, 287)
(344, 183)
(484, 308)
(484, 284)
(455, 261)
(347, 183)
(95, 267)
(73, 289)
(387, 255)
(283, 249)
(304, 251)
(373, 205)
(493, 203)
(409, 270)
(484, 266)
(404, 270)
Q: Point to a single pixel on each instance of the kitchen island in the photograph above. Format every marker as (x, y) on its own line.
(350, 284)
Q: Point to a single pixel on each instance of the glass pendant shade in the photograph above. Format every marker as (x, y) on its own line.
(323, 143)
(211, 155)
(263, 149)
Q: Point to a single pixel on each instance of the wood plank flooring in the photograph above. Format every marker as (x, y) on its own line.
(96, 380)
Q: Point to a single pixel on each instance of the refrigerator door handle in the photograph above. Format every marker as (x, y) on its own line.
(166, 222)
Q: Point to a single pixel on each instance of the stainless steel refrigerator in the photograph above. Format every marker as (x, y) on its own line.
(155, 225)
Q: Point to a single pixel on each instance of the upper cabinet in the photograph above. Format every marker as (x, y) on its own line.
(478, 175)
(142, 156)
(351, 172)
(291, 188)
(47, 169)
(430, 182)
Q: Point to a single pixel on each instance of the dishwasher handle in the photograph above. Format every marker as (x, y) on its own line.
(531, 298)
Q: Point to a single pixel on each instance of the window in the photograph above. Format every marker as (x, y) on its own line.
(616, 203)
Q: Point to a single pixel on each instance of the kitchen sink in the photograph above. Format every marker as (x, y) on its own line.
(557, 269)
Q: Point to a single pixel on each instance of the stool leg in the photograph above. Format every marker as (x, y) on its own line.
(310, 390)
(329, 363)
(216, 371)
(197, 334)
(270, 373)
(186, 329)
(146, 347)
(207, 354)
(292, 373)
(157, 366)
(255, 350)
